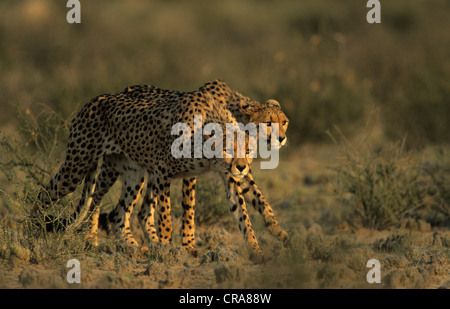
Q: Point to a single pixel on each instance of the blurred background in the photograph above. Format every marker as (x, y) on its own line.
(365, 173)
(321, 59)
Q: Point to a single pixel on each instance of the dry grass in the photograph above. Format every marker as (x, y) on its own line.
(364, 197)
(329, 248)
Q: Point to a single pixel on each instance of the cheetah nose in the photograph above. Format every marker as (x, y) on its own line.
(281, 138)
(240, 167)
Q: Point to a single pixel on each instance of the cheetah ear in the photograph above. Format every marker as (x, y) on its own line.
(247, 108)
(274, 103)
(220, 83)
(209, 101)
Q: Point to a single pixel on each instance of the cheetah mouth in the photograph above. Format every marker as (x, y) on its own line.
(276, 144)
(240, 175)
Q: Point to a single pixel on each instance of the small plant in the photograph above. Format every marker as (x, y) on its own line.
(439, 173)
(27, 162)
(385, 183)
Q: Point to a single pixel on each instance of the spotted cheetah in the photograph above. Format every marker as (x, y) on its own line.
(120, 127)
(245, 110)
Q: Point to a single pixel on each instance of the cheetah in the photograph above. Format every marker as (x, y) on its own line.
(120, 127)
(245, 110)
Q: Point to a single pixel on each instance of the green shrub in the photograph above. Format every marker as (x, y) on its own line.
(386, 184)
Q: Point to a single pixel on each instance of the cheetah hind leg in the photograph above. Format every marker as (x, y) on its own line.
(95, 187)
(132, 186)
(90, 209)
(188, 227)
(147, 213)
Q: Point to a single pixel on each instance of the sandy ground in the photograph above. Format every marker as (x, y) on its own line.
(326, 251)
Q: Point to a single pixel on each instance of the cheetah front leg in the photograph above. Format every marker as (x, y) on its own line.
(239, 210)
(147, 214)
(254, 196)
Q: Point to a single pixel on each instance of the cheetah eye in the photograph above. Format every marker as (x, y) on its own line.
(268, 124)
(229, 151)
(284, 122)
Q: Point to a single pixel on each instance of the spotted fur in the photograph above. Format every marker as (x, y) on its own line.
(244, 110)
(120, 128)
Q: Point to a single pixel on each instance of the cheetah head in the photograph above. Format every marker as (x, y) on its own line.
(236, 160)
(268, 114)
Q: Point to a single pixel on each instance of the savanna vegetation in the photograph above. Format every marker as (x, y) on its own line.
(365, 175)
